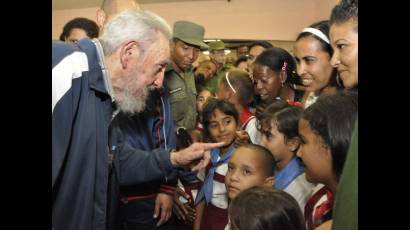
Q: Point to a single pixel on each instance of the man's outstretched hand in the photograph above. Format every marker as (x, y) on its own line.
(195, 157)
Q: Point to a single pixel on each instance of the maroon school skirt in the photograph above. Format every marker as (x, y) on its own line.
(214, 218)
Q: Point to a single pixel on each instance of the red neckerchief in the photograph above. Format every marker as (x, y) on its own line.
(245, 117)
(198, 125)
(321, 211)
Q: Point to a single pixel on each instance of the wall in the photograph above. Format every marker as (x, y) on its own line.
(238, 19)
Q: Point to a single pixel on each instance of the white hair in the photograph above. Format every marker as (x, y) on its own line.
(139, 25)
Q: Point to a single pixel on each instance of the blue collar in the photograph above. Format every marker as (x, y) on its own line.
(285, 176)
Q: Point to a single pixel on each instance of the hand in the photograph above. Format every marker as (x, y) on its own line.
(242, 138)
(183, 211)
(196, 156)
(163, 208)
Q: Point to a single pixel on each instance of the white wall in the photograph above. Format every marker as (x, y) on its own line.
(238, 19)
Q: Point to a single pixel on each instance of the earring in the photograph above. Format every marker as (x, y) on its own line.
(281, 83)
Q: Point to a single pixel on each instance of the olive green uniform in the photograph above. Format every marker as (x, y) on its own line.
(213, 83)
(345, 211)
(182, 94)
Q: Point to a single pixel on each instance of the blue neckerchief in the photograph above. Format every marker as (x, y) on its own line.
(285, 176)
(207, 188)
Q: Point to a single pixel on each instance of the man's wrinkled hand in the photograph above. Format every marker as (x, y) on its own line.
(195, 157)
(163, 207)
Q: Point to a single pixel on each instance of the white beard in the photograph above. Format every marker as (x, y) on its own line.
(134, 104)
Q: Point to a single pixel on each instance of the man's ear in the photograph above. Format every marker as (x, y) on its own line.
(269, 181)
(293, 143)
(101, 17)
(128, 51)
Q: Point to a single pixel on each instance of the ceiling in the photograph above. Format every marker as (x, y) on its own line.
(77, 4)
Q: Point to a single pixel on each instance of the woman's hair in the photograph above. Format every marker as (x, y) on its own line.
(209, 108)
(285, 116)
(242, 58)
(275, 59)
(344, 11)
(323, 26)
(140, 25)
(241, 83)
(265, 208)
(89, 26)
(332, 118)
(264, 44)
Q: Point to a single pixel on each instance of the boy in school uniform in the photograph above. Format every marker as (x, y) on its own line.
(250, 165)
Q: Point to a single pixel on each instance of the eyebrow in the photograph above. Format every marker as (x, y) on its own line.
(165, 62)
(308, 56)
(248, 167)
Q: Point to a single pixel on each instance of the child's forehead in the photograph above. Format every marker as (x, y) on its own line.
(217, 113)
(248, 153)
(205, 92)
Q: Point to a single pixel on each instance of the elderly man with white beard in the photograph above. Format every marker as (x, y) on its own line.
(91, 80)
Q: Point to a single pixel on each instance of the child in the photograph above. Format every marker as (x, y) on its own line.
(237, 88)
(325, 130)
(265, 208)
(279, 128)
(220, 120)
(250, 165)
(203, 95)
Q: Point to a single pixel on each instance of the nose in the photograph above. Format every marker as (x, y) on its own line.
(299, 152)
(258, 84)
(234, 176)
(158, 82)
(335, 61)
(301, 69)
(221, 128)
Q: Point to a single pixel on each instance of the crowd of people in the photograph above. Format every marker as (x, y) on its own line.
(147, 137)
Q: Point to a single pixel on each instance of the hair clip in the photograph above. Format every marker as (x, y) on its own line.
(229, 83)
(285, 65)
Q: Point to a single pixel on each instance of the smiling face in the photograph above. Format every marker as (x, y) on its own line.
(222, 127)
(315, 155)
(313, 63)
(344, 41)
(245, 170)
(267, 82)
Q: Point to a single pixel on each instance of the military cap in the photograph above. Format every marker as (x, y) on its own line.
(190, 33)
(217, 45)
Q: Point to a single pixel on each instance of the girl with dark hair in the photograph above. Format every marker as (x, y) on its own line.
(279, 127)
(220, 120)
(270, 72)
(242, 63)
(325, 130)
(313, 53)
(265, 208)
(203, 95)
(237, 88)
